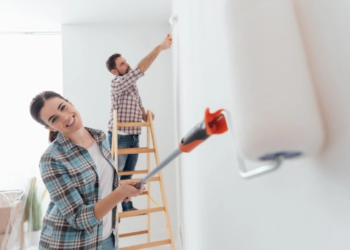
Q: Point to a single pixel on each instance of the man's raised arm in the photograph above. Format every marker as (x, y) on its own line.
(148, 60)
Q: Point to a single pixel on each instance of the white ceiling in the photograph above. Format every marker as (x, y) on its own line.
(47, 15)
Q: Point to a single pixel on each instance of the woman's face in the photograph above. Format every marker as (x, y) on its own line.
(60, 115)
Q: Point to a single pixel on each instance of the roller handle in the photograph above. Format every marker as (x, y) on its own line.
(213, 123)
(193, 138)
(138, 185)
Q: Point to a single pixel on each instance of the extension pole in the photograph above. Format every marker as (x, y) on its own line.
(214, 123)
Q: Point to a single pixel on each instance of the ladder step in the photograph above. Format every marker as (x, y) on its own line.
(147, 245)
(144, 193)
(133, 233)
(140, 212)
(133, 124)
(121, 173)
(152, 179)
(129, 151)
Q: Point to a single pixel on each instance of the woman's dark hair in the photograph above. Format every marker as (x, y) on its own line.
(38, 103)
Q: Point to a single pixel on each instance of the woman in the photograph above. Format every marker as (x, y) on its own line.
(79, 173)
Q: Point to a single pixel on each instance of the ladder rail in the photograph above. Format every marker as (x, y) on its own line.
(148, 150)
(161, 184)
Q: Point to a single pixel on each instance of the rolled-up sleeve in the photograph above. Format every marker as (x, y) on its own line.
(122, 83)
(65, 196)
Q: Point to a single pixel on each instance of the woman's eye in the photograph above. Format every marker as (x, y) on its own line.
(63, 107)
(54, 119)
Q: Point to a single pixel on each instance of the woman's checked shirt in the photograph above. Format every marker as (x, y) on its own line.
(71, 178)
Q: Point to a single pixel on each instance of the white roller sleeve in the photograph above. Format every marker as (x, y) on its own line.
(274, 104)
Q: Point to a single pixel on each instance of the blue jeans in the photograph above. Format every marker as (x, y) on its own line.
(126, 162)
(108, 244)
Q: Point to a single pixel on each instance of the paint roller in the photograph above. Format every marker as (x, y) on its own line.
(276, 113)
(273, 100)
(213, 123)
(172, 21)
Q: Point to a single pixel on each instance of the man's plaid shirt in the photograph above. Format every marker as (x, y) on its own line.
(126, 100)
(70, 176)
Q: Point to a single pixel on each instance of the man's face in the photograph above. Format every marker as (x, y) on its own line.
(122, 67)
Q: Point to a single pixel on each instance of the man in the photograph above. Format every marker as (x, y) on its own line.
(126, 100)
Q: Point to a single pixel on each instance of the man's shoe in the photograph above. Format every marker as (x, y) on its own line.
(127, 206)
(131, 207)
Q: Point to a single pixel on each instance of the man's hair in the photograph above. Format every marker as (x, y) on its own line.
(111, 61)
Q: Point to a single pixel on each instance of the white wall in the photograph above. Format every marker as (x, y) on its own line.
(40, 49)
(303, 205)
(86, 83)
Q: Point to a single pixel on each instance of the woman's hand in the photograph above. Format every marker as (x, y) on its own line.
(125, 190)
(128, 189)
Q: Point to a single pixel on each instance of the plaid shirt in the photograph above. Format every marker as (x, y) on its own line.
(126, 100)
(71, 177)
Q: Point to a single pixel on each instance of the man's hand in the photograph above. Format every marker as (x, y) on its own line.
(166, 44)
(144, 117)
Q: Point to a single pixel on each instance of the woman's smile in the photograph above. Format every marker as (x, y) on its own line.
(72, 122)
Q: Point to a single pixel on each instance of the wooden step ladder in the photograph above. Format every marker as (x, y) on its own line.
(159, 178)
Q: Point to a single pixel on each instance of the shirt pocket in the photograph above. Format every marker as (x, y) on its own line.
(85, 182)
